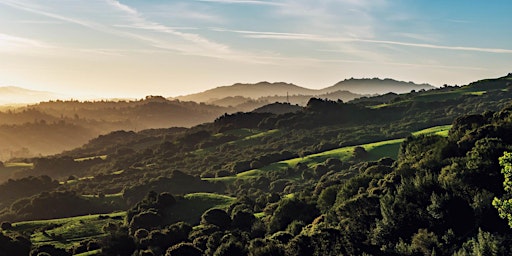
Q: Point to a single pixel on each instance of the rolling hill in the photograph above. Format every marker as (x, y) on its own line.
(264, 91)
(392, 175)
(17, 95)
(376, 86)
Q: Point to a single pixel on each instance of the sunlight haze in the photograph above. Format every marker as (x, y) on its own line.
(128, 48)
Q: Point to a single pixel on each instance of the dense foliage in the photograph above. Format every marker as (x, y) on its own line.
(436, 195)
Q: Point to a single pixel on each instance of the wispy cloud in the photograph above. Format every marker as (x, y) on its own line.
(122, 7)
(36, 9)
(417, 36)
(252, 2)
(9, 41)
(314, 62)
(139, 22)
(330, 39)
(192, 44)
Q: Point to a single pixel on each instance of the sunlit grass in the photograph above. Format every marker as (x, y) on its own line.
(376, 151)
(91, 253)
(259, 215)
(437, 130)
(66, 232)
(478, 93)
(19, 165)
(246, 137)
(102, 157)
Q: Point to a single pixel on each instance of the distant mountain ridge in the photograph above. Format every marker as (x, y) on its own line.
(374, 86)
(16, 95)
(253, 91)
(345, 90)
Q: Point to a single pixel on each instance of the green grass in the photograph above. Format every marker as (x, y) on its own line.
(194, 205)
(103, 157)
(478, 93)
(241, 133)
(19, 165)
(437, 130)
(259, 215)
(91, 253)
(250, 140)
(76, 180)
(246, 137)
(66, 232)
(376, 151)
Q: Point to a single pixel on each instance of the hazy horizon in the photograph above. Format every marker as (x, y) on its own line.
(130, 49)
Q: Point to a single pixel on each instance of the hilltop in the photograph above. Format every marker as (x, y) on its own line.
(18, 95)
(374, 86)
(345, 90)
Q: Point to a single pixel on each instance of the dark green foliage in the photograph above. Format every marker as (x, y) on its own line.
(49, 249)
(146, 220)
(14, 245)
(261, 247)
(118, 244)
(300, 245)
(289, 210)
(231, 248)
(49, 205)
(5, 225)
(13, 190)
(359, 153)
(504, 205)
(177, 183)
(484, 243)
(183, 249)
(435, 199)
(216, 217)
(243, 220)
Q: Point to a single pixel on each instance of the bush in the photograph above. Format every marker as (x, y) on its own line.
(182, 249)
(216, 217)
(5, 225)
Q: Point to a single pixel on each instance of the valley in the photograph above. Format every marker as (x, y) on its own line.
(407, 174)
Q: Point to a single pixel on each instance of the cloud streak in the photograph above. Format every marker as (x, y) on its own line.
(250, 2)
(329, 39)
(21, 41)
(193, 44)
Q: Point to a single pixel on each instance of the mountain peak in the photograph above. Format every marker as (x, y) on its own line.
(377, 86)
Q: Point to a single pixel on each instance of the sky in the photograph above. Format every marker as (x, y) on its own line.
(134, 48)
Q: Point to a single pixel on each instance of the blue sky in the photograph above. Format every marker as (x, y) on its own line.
(133, 48)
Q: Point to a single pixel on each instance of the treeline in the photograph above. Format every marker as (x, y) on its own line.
(52, 127)
(218, 149)
(436, 198)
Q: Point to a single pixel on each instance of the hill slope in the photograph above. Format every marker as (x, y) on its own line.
(264, 91)
(254, 91)
(376, 86)
(16, 95)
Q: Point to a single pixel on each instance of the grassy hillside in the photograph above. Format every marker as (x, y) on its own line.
(193, 205)
(376, 150)
(67, 232)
